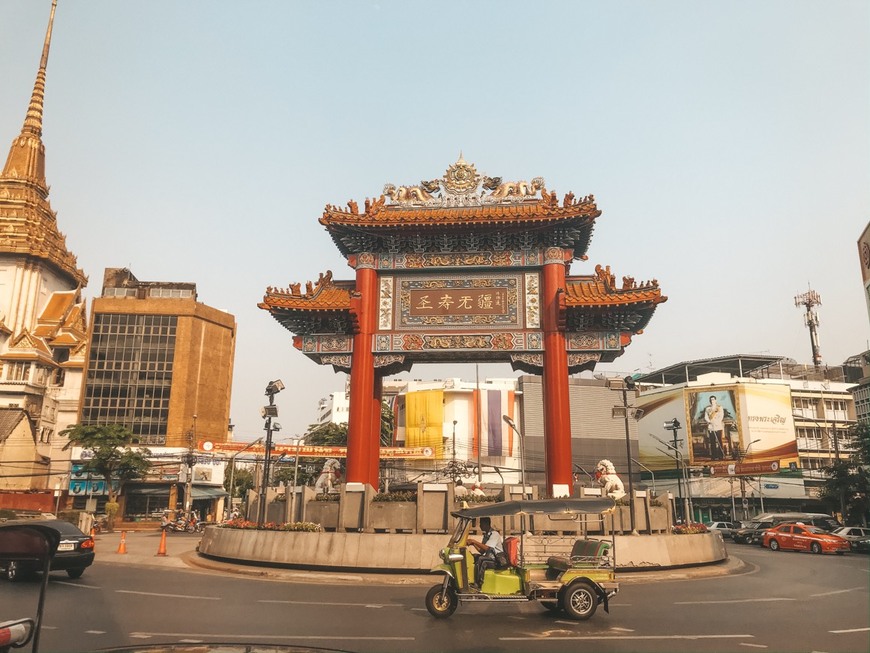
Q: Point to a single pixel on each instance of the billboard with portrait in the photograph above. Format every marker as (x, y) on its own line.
(734, 429)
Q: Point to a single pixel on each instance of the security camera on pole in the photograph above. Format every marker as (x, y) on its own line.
(268, 412)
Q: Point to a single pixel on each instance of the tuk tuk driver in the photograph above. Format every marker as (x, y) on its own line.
(488, 547)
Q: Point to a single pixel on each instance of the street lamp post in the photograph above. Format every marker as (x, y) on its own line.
(624, 385)
(268, 412)
(513, 426)
(299, 442)
(740, 458)
(233, 471)
(674, 425)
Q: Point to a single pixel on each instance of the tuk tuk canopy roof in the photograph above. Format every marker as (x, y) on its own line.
(583, 505)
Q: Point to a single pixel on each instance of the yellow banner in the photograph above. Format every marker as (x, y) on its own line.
(424, 420)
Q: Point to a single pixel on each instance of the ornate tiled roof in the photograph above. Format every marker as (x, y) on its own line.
(464, 203)
(597, 302)
(28, 226)
(325, 306)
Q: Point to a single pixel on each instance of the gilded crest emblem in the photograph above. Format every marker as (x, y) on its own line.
(461, 177)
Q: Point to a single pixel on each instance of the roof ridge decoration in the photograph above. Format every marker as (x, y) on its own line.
(604, 275)
(312, 290)
(461, 186)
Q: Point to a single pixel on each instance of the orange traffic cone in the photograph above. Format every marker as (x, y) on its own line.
(94, 538)
(161, 550)
(122, 547)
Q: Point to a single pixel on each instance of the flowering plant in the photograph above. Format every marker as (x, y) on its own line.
(244, 524)
(688, 529)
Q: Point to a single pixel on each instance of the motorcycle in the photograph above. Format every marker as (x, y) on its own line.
(181, 525)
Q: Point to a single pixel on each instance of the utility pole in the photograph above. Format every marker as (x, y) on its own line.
(189, 461)
(268, 412)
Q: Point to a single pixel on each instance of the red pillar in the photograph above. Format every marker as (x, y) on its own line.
(557, 406)
(362, 375)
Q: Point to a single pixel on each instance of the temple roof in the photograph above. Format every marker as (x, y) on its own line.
(27, 223)
(595, 302)
(324, 307)
(464, 203)
(591, 302)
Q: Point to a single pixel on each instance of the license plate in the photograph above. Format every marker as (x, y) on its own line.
(66, 546)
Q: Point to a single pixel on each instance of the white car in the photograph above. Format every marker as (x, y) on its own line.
(724, 527)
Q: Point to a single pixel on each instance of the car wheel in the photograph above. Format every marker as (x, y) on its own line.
(75, 573)
(14, 572)
(816, 547)
(439, 603)
(774, 545)
(580, 601)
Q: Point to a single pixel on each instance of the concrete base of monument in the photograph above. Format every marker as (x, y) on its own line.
(416, 553)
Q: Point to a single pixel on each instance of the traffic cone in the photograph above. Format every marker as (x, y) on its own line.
(94, 538)
(122, 547)
(161, 550)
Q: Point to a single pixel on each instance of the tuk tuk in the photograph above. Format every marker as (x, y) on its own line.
(575, 582)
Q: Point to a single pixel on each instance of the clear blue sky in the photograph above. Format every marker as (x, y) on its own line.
(725, 142)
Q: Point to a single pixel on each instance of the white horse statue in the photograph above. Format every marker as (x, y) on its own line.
(605, 474)
(328, 478)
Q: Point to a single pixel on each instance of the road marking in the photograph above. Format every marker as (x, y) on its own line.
(231, 636)
(95, 632)
(733, 601)
(753, 645)
(622, 637)
(85, 587)
(849, 630)
(171, 596)
(851, 589)
(358, 605)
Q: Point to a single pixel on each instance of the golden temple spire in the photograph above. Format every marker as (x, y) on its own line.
(27, 155)
(27, 222)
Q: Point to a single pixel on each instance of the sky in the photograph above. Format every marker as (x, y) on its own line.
(725, 142)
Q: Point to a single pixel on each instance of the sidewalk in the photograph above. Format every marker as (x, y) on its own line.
(181, 553)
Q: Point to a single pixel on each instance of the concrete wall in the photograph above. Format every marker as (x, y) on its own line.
(419, 552)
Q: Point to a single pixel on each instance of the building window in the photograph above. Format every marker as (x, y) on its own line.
(129, 374)
(18, 371)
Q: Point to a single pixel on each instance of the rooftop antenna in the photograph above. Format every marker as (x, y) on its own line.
(809, 300)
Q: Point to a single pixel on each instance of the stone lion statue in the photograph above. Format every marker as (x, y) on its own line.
(605, 475)
(328, 479)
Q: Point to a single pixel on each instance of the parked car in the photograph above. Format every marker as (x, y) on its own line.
(752, 533)
(75, 552)
(858, 536)
(802, 537)
(724, 527)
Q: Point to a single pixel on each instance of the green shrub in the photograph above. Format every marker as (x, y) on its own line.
(409, 495)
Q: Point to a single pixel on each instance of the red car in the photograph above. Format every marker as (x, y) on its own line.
(800, 537)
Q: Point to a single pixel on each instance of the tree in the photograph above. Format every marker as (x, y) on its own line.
(847, 486)
(243, 480)
(387, 424)
(111, 458)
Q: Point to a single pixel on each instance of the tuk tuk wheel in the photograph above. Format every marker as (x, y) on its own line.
(441, 603)
(580, 601)
(552, 606)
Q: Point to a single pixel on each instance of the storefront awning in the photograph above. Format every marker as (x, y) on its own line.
(162, 490)
(148, 490)
(208, 492)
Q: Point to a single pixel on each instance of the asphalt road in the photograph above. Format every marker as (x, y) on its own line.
(773, 601)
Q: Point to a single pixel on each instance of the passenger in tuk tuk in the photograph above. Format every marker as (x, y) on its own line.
(490, 547)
